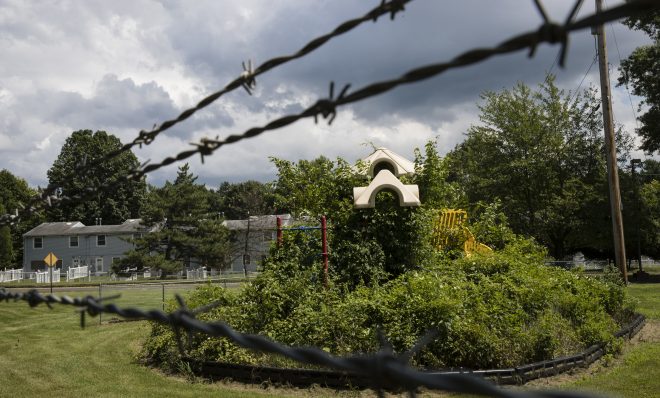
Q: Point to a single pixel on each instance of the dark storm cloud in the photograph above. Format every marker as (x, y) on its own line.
(169, 55)
(427, 32)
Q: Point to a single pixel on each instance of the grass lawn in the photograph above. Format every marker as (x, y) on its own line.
(636, 373)
(45, 353)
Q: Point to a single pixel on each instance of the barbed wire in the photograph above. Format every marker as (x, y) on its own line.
(384, 365)
(247, 80)
(549, 32)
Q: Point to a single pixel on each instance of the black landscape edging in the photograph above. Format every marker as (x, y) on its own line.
(336, 379)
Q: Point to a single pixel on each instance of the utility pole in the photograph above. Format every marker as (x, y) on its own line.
(610, 147)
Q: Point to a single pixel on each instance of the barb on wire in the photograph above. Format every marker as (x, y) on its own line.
(247, 80)
(327, 107)
(379, 366)
(548, 33)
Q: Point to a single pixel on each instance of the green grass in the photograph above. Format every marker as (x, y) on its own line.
(46, 353)
(635, 374)
(648, 296)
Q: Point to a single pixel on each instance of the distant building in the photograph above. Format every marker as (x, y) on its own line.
(262, 232)
(76, 244)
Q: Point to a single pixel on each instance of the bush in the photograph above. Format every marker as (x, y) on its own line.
(500, 310)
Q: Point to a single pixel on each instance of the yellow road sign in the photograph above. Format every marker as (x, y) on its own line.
(51, 259)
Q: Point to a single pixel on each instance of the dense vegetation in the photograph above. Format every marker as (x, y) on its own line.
(495, 310)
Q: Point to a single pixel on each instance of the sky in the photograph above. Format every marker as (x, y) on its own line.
(123, 66)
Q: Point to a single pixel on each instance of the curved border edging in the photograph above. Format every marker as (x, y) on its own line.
(331, 378)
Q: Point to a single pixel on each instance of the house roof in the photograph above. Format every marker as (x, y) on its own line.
(70, 228)
(267, 222)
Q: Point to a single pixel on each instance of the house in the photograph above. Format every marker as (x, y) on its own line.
(260, 232)
(76, 244)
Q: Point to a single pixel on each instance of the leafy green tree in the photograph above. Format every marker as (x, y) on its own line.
(187, 229)
(642, 71)
(236, 201)
(650, 196)
(114, 205)
(314, 187)
(14, 194)
(432, 174)
(541, 154)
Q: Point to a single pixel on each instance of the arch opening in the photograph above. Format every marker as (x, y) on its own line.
(383, 165)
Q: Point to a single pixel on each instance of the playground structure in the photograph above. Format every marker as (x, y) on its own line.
(449, 230)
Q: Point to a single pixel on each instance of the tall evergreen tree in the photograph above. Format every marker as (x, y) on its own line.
(187, 229)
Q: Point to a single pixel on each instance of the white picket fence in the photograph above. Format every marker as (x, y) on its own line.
(11, 276)
(44, 277)
(199, 273)
(77, 273)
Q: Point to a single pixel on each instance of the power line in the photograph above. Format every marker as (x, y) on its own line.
(593, 62)
(625, 80)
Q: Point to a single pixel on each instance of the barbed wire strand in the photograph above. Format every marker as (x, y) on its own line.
(549, 32)
(379, 366)
(247, 80)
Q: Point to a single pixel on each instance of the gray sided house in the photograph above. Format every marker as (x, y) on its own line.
(262, 232)
(76, 244)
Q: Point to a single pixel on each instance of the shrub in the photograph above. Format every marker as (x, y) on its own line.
(500, 310)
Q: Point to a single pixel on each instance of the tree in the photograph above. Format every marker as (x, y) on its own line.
(541, 154)
(432, 177)
(642, 71)
(314, 187)
(114, 205)
(235, 201)
(14, 194)
(650, 197)
(188, 230)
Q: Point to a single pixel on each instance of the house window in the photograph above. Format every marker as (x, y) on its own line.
(38, 242)
(115, 260)
(73, 241)
(100, 240)
(246, 259)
